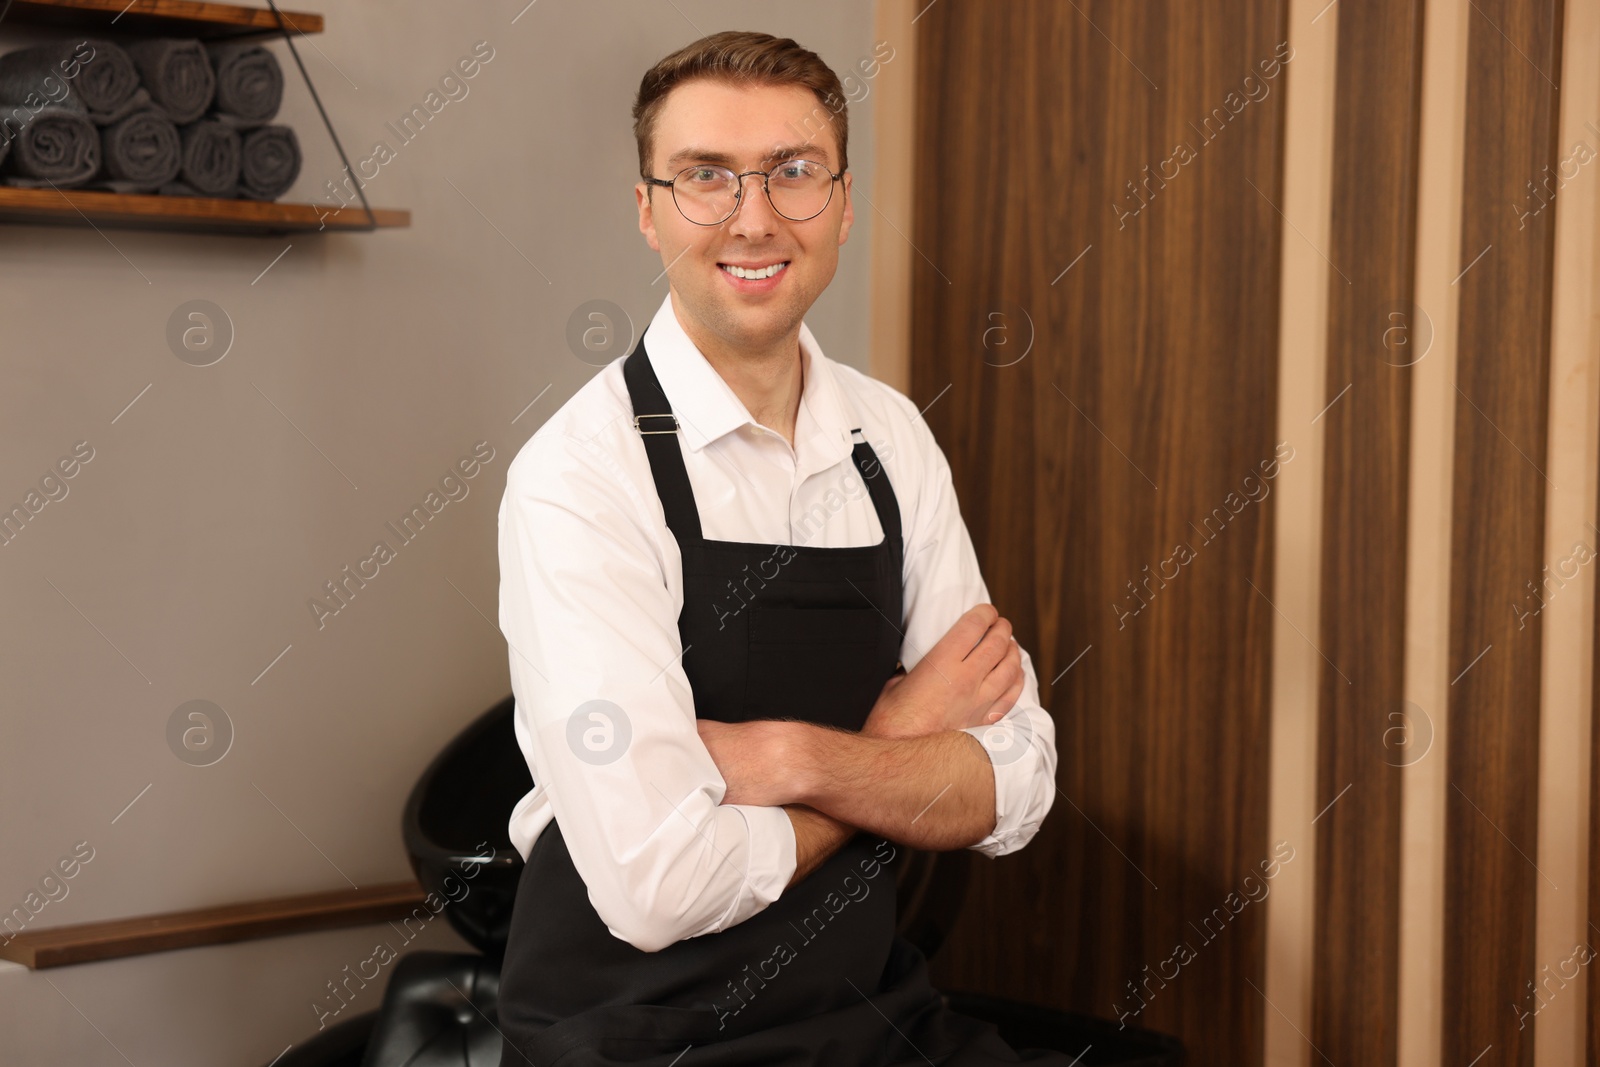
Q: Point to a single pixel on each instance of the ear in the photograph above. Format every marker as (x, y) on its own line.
(647, 217)
(849, 209)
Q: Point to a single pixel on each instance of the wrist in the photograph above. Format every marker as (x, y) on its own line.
(895, 731)
(797, 761)
(810, 756)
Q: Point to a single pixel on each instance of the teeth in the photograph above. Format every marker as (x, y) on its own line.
(764, 272)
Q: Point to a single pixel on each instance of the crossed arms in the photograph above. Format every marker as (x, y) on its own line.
(683, 827)
(910, 775)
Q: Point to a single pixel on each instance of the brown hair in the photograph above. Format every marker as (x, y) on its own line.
(741, 58)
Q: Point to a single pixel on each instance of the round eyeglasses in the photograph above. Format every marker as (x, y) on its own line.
(708, 195)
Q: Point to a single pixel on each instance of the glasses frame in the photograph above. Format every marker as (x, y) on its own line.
(738, 196)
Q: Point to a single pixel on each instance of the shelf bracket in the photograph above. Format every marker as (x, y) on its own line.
(361, 191)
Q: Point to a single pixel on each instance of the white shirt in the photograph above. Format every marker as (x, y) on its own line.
(591, 589)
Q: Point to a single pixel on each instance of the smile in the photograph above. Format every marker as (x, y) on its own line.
(754, 274)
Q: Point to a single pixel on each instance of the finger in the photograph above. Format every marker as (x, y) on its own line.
(1012, 659)
(1008, 676)
(965, 634)
(992, 649)
(1013, 693)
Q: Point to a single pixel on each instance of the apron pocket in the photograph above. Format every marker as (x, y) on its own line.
(823, 665)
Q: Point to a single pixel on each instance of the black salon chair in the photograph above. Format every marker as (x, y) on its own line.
(439, 1008)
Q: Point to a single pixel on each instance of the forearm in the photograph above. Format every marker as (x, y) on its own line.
(932, 792)
(816, 838)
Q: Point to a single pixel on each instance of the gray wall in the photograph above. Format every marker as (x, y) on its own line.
(180, 562)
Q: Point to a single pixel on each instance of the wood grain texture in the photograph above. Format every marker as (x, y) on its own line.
(195, 214)
(58, 946)
(1366, 734)
(1498, 514)
(1137, 422)
(179, 18)
(1591, 1026)
(1592, 1016)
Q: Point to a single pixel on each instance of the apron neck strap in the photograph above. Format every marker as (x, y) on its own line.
(658, 428)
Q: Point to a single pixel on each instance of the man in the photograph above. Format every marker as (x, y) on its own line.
(713, 558)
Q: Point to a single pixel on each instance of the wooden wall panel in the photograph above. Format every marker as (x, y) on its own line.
(1373, 335)
(1592, 1015)
(1146, 401)
(1491, 883)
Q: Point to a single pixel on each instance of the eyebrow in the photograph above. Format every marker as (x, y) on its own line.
(781, 152)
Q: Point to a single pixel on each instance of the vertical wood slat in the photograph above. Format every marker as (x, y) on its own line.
(1153, 364)
(1362, 719)
(1497, 529)
(1431, 464)
(1592, 1015)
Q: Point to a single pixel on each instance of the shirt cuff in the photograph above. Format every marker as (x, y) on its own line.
(1016, 760)
(771, 853)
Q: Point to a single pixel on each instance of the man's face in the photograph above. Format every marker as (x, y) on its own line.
(741, 128)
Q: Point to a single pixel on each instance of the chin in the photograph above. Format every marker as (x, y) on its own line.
(750, 324)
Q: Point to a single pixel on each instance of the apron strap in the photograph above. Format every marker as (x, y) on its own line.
(658, 428)
(884, 501)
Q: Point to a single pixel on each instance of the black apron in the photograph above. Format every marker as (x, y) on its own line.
(819, 976)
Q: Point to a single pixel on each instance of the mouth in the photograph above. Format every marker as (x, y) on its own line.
(754, 278)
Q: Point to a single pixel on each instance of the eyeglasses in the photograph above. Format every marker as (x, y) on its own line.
(708, 195)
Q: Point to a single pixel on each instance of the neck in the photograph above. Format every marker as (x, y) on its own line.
(768, 379)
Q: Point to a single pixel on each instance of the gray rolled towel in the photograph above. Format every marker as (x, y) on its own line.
(90, 75)
(249, 84)
(51, 146)
(178, 74)
(269, 162)
(210, 161)
(140, 153)
(181, 188)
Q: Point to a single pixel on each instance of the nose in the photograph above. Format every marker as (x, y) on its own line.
(754, 213)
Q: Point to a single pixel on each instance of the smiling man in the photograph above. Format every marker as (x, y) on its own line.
(714, 559)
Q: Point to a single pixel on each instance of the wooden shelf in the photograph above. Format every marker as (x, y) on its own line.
(81, 207)
(114, 938)
(193, 214)
(173, 18)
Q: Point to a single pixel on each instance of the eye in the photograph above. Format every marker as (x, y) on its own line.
(704, 176)
(796, 173)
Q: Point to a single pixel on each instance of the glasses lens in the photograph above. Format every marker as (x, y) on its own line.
(800, 189)
(705, 194)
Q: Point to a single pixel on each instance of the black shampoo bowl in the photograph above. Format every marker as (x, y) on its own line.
(455, 821)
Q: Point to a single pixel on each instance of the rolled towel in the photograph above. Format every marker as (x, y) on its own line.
(53, 146)
(269, 162)
(92, 75)
(181, 188)
(178, 74)
(210, 161)
(139, 101)
(140, 153)
(249, 84)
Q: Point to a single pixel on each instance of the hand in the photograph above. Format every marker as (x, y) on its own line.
(751, 757)
(972, 677)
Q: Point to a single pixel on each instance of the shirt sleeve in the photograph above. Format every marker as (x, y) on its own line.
(605, 713)
(943, 581)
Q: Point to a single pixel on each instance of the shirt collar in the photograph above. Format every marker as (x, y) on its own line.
(708, 408)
